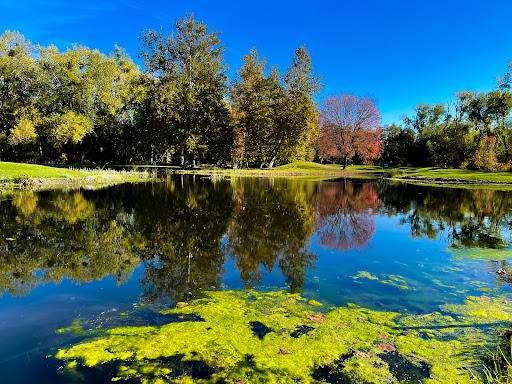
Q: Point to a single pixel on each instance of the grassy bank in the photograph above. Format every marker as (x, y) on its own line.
(18, 173)
(440, 175)
(303, 169)
(430, 175)
(32, 174)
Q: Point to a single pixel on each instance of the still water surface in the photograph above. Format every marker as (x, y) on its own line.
(90, 254)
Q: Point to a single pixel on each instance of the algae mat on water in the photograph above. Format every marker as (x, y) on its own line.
(252, 337)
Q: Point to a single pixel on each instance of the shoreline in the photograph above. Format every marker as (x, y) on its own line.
(19, 175)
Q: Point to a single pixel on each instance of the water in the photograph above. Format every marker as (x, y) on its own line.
(93, 254)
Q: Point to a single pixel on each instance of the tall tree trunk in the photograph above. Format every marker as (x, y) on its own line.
(185, 164)
(276, 151)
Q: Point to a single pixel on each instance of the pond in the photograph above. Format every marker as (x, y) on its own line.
(119, 258)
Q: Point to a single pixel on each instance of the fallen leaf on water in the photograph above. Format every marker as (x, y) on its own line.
(181, 304)
(316, 318)
(284, 352)
(366, 355)
(387, 347)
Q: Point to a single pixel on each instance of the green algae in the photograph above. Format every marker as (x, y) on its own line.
(450, 345)
(497, 254)
(75, 327)
(394, 280)
(437, 282)
(482, 309)
(366, 275)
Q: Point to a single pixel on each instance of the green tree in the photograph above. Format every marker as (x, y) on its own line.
(18, 85)
(275, 118)
(298, 120)
(398, 145)
(253, 101)
(187, 93)
(441, 136)
(87, 99)
(504, 81)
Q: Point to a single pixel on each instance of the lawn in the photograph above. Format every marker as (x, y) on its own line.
(298, 168)
(454, 174)
(17, 172)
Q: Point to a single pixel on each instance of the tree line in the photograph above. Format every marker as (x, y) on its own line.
(81, 105)
(472, 132)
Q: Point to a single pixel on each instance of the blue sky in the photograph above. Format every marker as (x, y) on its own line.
(402, 52)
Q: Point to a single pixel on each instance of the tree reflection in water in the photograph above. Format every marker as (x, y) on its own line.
(344, 214)
(183, 222)
(468, 217)
(48, 236)
(272, 224)
(185, 228)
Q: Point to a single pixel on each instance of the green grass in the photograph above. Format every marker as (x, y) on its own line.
(427, 175)
(302, 169)
(17, 173)
(310, 167)
(454, 174)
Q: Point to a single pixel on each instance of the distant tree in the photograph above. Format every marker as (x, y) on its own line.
(504, 81)
(427, 119)
(441, 133)
(187, 95)
(349, 127)
(398, 145)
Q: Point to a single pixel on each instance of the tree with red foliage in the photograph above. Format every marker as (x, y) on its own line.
(349, 126)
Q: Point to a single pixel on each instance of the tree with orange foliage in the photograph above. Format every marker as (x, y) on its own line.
(349, 127)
